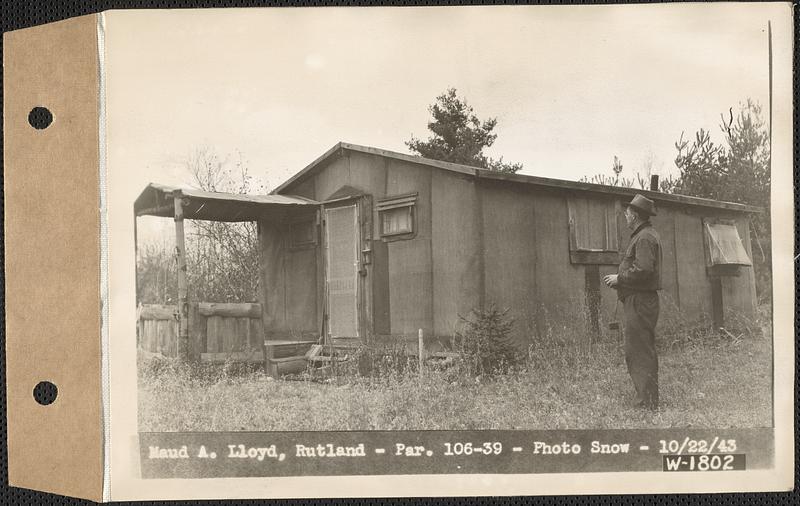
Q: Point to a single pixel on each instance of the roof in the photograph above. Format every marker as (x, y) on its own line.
(486, 174)
(158, 200)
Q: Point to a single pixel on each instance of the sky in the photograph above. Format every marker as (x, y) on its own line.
(571, 87)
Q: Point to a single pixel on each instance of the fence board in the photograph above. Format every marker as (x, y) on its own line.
(256, 333)
(229, 334)
(213, 334)
(214, 328)
(233, 310)
(243, 333)
(157, 312)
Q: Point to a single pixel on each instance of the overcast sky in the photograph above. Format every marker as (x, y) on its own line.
(570, 86)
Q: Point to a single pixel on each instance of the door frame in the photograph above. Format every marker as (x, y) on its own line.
(363, 222)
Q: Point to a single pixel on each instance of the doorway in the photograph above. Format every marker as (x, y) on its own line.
(341, 270)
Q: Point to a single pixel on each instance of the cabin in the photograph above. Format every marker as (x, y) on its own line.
(366, 244)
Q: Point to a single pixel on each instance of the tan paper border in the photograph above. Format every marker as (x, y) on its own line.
(52, 258)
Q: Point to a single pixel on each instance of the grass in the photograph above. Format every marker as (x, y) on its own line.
(707, 380)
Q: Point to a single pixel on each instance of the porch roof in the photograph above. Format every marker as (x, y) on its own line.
(158, 200)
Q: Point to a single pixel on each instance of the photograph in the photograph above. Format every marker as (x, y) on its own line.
(447, 218)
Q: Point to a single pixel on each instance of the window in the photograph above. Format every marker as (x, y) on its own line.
(303, 233)
(726, 253)
(396, 216)
(593, 235)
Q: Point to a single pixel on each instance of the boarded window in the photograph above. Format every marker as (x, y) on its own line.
(725, 246)
(593, 236)
(303, 233)
(396, 215)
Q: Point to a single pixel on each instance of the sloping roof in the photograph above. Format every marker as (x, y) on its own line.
(158, 200)
(479, 173)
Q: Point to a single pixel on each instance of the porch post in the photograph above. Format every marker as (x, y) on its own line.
(183, 289)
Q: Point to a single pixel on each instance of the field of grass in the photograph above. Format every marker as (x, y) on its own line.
(711, 381)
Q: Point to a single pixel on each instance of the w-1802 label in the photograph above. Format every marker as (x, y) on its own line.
(710, 462)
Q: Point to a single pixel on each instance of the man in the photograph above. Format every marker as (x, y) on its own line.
(637, 282)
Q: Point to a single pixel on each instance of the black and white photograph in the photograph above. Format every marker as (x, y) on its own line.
(572, 248)
(456, 240)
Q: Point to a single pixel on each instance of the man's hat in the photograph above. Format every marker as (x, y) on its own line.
(643, 204)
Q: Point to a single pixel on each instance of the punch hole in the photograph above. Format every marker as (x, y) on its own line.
(40, 118)
(45, 393)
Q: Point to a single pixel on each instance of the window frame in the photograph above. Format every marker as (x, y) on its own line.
(722, 269)
(404, 201)
(311, 221)
(608, 255)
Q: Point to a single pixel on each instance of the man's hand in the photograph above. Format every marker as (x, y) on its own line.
(610, 280)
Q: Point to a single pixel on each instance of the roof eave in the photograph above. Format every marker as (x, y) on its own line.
(480, 173)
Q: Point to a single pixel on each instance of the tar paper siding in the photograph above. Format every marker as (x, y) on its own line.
(288, 283)
(479, 241)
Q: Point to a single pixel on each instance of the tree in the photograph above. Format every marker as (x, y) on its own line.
(459, 136)
(222, 258)
(640, 179)
(738, 171)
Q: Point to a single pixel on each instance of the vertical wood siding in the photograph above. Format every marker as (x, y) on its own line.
(410, 269)
(456, 253)
(694, 287)
(510, 254)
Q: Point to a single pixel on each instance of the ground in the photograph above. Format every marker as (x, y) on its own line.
(714, 382)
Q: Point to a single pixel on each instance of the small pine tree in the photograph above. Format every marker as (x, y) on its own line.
(459, 136)
(485, 343)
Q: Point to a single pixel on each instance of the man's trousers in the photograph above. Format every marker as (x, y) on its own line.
(641, 316)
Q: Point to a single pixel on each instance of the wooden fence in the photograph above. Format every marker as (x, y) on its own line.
(217, 331)
(157, 329)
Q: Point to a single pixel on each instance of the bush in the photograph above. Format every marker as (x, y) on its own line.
(485, 345)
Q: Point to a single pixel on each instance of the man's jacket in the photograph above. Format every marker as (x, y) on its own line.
(640, 270)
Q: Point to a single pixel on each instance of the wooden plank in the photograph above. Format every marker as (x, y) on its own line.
(335, 175)
(594, 257)
(157, 311)
(161, 339)
(256, 333)
(365, 299)
(456, 251)
(301, 290)
(197, 329)
(593, 301)
(213, 334)
(233, 310)
(368, 173)
(242, 334)
(717, 313)
(410, 269)
(152, 336)
(272, 277)
(510, 255)
(559, 285)
(749, 305)
(694, 284)
(229, 338)
(171, 338)
(147, 335)
(253, 357)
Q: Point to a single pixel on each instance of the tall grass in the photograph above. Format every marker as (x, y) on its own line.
(707, 379)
